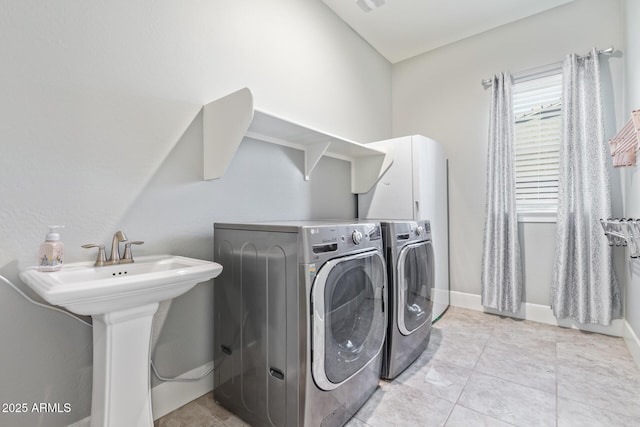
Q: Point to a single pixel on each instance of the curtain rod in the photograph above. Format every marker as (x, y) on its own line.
(487, 83)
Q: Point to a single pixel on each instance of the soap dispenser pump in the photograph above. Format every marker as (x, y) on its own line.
(51, 255)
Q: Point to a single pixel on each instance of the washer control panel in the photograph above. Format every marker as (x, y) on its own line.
(327, 241)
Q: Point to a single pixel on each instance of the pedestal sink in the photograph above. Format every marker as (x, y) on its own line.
(122, 300)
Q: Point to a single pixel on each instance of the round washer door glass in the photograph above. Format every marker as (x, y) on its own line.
(349, 320)
(415, 281)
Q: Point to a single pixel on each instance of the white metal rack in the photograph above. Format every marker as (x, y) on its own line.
(623, 232)
(228, 120)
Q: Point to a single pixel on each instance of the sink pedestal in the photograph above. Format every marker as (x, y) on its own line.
(122, 300)
(121, 393)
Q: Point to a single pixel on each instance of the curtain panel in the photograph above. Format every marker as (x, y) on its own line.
(501, 263)
(584, 286)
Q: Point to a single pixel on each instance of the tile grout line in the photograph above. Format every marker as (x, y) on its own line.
(473, 369)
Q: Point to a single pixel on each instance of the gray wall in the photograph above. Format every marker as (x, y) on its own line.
(439, 94)
(101, 131)
(631, 175)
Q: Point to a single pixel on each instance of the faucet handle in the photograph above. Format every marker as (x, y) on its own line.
(128, 257)
(100, 260)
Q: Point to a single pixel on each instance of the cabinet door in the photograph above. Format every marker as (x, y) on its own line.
(392, 196)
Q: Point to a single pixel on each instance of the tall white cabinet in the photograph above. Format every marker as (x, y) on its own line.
(415, 187)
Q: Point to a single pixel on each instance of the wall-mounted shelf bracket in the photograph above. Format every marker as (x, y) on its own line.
(228, 120)
(224, 124)
(312, 155)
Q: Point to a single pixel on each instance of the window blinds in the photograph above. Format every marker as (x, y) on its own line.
(537, 107)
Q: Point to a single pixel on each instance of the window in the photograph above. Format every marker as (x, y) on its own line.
(537, 107)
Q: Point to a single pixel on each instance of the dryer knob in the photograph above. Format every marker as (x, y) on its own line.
(356, 236)
(419, 230)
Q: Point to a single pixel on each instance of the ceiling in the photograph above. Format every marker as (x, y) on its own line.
(401, 29)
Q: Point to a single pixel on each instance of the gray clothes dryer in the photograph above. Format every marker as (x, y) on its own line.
(299, 320)
(410, 268)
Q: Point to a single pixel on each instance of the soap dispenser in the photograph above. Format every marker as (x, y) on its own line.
(51, 254)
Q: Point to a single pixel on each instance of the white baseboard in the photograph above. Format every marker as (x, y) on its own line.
(169, 396)
(633, 343)
(536, 313)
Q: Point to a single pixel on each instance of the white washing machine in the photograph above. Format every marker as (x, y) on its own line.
(410, 271)
(299, 320)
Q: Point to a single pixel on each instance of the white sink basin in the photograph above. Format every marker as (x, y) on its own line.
(88, 290)
(122, 300)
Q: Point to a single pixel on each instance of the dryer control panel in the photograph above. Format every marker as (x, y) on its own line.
(328, 241)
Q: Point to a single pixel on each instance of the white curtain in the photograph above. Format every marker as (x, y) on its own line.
(584, 286)
(501, 264)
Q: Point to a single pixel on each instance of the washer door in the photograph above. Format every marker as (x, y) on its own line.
(415, 280)
(348, 319)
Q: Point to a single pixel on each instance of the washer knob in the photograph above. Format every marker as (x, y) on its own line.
(419, 230)
(356, 236)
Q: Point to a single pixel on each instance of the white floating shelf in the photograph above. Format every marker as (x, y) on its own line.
(228, 120)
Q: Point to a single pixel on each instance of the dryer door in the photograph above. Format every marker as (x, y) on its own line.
(415, 280)
(348, 319)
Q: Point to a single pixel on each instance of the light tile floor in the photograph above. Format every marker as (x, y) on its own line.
(485, 370)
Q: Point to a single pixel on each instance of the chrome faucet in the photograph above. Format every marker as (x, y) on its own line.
(118, 237)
